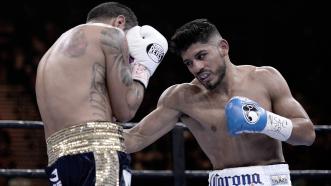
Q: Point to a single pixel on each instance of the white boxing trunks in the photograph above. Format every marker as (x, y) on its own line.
(266, 175)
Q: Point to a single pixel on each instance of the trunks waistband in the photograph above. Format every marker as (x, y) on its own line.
(87, 137)
(277, 174)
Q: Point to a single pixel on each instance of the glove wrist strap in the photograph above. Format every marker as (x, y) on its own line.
(140, 73)
(278, 127)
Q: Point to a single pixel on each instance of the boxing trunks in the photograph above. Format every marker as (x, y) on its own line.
(267, 175)
(89, 154)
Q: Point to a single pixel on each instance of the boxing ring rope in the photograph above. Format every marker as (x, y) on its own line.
(40, 125)
(40, 173)
(179, 174)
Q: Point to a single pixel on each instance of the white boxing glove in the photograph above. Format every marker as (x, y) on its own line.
(147, 47)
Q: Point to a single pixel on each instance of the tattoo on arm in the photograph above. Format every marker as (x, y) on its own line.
(98, 92)
(137, 93)
(125, 72)
(117, 48)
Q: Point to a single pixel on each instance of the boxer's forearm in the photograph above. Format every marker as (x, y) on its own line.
(303, 132)
(133, 140)
(135, 96)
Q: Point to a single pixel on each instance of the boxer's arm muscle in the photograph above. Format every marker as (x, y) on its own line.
(153, 126)
(284, 104)
(125, 94)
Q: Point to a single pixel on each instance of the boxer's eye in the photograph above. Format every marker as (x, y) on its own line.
(188, 63)
(201, 56)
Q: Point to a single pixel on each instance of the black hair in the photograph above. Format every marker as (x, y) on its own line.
(198, 30)
(111, 10)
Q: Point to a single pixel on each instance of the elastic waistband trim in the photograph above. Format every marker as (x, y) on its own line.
(87, 137)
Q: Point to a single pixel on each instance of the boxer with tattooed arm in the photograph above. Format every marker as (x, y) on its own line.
(94, 74)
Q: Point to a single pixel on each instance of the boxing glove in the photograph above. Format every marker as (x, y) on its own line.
(246, 116)
(147, 48)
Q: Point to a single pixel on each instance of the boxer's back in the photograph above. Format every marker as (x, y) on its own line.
(71, 80)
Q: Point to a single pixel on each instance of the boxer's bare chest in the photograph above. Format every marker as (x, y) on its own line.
(205, 109)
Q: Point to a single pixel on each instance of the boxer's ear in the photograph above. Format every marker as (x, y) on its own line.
(224, 47)
(120, 22)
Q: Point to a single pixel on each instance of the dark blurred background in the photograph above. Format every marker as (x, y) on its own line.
(292, 36)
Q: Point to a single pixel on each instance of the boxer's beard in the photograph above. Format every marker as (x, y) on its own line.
(221, 73)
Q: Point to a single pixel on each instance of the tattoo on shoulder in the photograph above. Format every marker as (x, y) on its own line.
(98, 92)
(76, 45)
